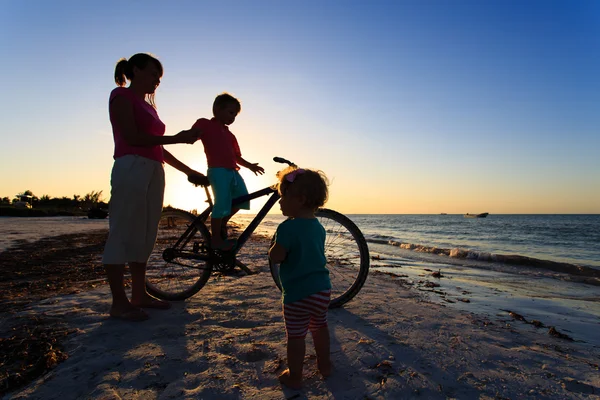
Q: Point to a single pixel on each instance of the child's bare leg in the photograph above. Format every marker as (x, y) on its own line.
(224, 222)
(215, 229)
(292, 377)
(321, 340)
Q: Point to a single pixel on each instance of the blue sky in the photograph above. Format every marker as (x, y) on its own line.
(407, 106)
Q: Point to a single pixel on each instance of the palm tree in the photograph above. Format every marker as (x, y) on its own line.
(92, 199)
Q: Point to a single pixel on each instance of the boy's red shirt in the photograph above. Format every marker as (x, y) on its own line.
(220, 145)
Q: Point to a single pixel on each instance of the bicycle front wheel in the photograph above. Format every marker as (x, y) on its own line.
(347, 256)
(178, 266)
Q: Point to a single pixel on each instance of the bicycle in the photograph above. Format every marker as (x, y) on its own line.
(182, 260)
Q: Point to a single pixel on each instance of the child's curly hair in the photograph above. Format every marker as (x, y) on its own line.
(308, 183)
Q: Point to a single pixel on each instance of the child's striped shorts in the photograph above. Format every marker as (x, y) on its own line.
(310, 313)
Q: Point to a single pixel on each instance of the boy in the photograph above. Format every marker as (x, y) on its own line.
(224, 157)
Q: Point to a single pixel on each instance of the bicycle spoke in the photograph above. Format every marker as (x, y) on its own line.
(178, 266)
(340, 263)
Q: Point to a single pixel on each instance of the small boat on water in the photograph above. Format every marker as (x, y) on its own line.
(482, 215)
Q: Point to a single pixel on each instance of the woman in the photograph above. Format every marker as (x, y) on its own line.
(137, 182)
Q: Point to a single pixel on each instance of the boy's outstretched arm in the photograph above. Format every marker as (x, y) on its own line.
(254, 167)
(277, 253)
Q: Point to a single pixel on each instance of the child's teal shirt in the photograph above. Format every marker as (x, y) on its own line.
(304, 270)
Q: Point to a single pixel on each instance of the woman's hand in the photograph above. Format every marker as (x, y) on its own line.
(190, 136)
(197, 178)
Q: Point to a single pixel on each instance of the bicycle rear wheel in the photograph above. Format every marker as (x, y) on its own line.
(178, 266)
(347, 256)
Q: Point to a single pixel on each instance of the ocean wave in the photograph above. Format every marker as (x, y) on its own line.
(377, 237)
(512, 259)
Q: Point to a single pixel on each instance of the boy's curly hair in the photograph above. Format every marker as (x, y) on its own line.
(311, 184)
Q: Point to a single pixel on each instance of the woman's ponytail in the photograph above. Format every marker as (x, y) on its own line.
(121, 72)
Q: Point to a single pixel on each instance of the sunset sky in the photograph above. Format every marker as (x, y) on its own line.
(409, 107)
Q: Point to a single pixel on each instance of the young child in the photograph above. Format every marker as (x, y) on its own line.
(223, 156)
(299, 247)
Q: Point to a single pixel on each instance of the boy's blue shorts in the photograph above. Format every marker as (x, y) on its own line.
(227, 184)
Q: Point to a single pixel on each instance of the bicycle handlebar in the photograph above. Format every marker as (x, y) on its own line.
(203, 181)
(284, 161)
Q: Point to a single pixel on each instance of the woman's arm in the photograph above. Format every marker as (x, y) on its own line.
(121, 110)
(175, 163)
(193, 175)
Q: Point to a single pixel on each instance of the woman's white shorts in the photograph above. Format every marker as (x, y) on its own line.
(136, 200)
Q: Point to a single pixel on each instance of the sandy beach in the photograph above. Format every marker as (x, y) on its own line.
(228, 342)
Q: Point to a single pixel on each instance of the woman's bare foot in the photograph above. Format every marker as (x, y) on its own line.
(151, 302)
(286, 379)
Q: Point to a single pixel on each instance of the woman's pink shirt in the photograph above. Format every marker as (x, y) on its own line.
(147, 122)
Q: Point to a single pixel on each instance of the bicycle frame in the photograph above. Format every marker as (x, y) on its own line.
(201, 218)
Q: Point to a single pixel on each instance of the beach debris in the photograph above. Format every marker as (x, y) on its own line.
(466, 376)
(553, 332)
(385, 368)
(437, 274)
(534, 322)
(365, 341)
(31, 349)
(573, 385)
(464, 300)
(479, 321)
(537, 324)
(51, 266)
(433, 291)
(516, 316)
(273, 366)
(431, 284)
(257, 353)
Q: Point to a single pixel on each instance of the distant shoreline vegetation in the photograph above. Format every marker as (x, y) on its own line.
(27, 204)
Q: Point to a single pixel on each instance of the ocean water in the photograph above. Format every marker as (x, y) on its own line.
(543, 267)
(573, 239)
(533, 239)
